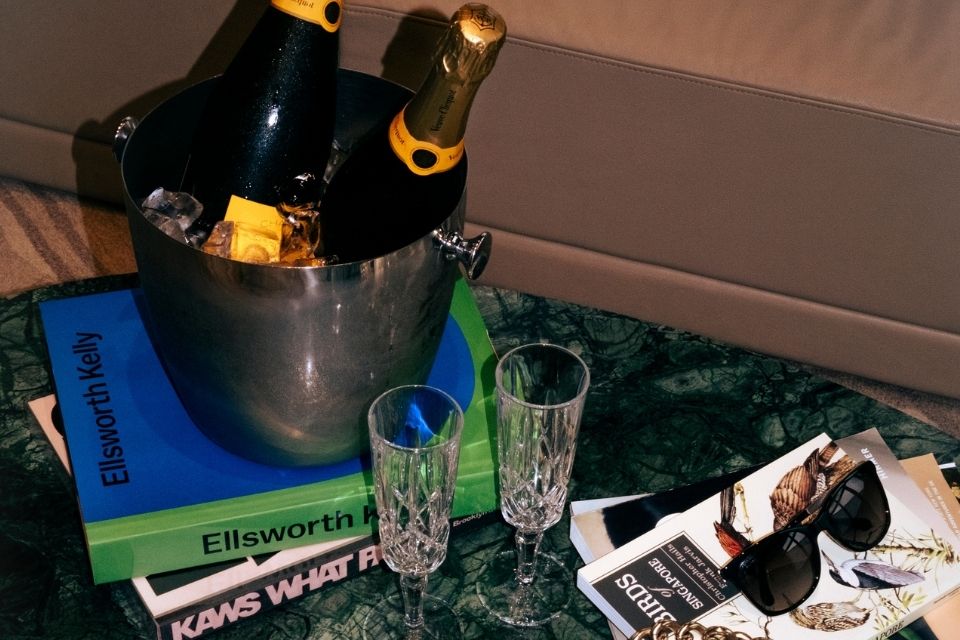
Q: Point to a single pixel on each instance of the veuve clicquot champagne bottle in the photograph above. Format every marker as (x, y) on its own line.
(400, 183)
(271, 115)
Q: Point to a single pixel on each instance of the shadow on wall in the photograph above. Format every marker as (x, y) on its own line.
(408, 55)
(98, 174)
(405, 61)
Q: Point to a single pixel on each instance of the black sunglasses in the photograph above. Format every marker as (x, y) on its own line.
(780, 570)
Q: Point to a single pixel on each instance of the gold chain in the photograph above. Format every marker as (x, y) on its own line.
(670, 630)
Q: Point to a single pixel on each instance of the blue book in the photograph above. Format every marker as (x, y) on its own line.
(156, 494)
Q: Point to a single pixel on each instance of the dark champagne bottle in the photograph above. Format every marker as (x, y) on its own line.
(271, 115)
(403, 181)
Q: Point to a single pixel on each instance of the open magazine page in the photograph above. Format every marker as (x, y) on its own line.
(931, 478)
(940, 623)
(673, 571)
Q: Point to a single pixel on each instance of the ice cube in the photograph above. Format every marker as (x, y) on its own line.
(220, 241)
(173, 212)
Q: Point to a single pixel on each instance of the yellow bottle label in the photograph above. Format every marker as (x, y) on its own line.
(422, 158)
(326, 13)
(258, 229)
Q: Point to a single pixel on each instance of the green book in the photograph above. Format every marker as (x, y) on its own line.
(157, 495)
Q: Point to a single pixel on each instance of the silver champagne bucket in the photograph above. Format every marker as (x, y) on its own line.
(279, 364)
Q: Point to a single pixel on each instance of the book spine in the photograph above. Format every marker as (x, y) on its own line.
(154, 543)
(157, 543)
(258, 596)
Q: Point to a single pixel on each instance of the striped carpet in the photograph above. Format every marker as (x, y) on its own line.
(49, 236)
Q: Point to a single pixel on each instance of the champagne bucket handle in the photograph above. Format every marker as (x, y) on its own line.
(473, 253)
(124, 131)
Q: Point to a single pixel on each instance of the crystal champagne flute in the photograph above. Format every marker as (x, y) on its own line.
(541, 389)
(415, 447)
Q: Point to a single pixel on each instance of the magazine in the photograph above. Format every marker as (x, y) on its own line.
(672, 572)
(600, 525)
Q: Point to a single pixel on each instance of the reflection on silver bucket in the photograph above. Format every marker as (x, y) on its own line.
(279, 364)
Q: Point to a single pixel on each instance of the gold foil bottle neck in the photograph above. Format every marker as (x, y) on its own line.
(472, 42)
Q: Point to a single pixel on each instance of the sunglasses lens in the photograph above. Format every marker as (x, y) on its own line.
(780, 571)
(857, 514)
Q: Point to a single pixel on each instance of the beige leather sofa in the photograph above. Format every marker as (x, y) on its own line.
(779, 175)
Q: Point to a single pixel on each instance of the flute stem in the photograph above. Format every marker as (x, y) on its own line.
(528, 543)
(411, 590)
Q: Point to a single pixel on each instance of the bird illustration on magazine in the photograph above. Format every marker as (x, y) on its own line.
(811, 543)
(798, 493)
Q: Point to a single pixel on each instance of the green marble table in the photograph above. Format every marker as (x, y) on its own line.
(665, 408)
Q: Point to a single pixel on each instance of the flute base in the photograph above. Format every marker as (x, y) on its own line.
(531, 605)
(386, 621)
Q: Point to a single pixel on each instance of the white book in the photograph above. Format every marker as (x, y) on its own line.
(673, 570)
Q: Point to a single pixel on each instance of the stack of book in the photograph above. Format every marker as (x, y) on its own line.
(203, 537)
(657, 557)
